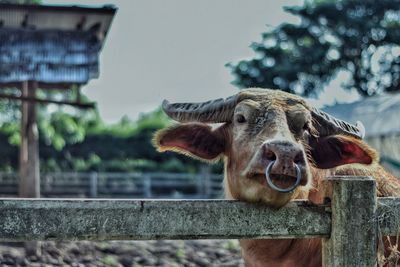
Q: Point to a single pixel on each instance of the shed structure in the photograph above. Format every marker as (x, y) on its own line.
(47, 47)
(381, 118)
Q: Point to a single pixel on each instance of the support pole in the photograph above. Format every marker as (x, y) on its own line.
(29, 183)
(93, 184)
(78, 94)
(353, 240)
(147, 186)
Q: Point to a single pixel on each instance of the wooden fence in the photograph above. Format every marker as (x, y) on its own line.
(350, 225)
(121, 185)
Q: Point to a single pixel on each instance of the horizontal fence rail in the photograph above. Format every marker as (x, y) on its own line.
(111, 219)
(62, 219)
(120, 185)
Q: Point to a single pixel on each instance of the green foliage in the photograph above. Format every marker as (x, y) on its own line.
(125, 146)
(80, 141)
(358, 37)
(11, 130)
(60, 128)
(125, 127)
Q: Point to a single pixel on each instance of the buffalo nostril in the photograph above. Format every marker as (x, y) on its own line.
(299, 158)
(269, 155)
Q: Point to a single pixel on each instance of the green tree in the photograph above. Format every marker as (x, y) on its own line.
(58, 125)
(57, 129)
(124, 146)
(359, 38)
(76, 141)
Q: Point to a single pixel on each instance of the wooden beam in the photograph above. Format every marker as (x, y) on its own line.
(29, 178)
(111, 219)
(32, 99)
(41, 85)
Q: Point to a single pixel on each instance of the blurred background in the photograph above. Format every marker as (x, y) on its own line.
(343, 56)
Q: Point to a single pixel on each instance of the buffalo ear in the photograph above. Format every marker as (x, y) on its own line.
(193, 139)
(332, 151)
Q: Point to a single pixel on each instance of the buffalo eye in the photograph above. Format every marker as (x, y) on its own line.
(240, 118)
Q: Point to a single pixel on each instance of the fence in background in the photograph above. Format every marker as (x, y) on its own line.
(121, 185)
(350, 225)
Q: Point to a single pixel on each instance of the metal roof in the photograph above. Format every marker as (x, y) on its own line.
(51, 17)
(380, 114)
(51, 44)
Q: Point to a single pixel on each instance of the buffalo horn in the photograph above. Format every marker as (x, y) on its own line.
(328, 125)
(213, 111)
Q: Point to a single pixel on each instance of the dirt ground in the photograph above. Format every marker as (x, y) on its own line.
(224, 253)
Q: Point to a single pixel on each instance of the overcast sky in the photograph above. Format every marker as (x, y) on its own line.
(177, 49)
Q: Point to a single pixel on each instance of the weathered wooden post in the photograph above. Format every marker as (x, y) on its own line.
(29, 173)
(353, 240)
(29, 178)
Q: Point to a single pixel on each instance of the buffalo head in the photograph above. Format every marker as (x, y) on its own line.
(271, 142)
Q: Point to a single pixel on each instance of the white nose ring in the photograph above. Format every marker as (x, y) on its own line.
(282, 190)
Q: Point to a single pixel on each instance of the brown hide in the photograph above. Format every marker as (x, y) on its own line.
(255, 119)
(307, 252)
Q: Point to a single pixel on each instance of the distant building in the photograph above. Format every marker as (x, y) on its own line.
(381, 118)
(47, 47)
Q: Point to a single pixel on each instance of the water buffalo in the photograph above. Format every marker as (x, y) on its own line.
(276, 148)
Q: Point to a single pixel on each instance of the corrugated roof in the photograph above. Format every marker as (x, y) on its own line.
(48, 56)
(50, 17)
(51, 44)
(380, 114)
